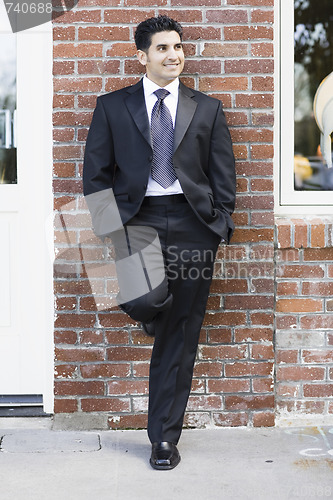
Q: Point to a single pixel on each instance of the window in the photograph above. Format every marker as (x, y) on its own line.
(306, 103)
(8, 167)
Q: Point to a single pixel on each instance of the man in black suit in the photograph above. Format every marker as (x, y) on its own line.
(163, 152)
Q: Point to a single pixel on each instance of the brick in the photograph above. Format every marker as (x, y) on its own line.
(75, 321)
(62, 118)
(300, 271)
(236, 118)
(230, 419)
(78, 84)
(87, 101)
(299, 305)
(287, 288)
(208, 369)
(283, 234)
(208, 3)
(138, 421)
(240, 152)
(255, 201)
(228, 385)
(287, 356)
(262, 83)
(248, 402)
(253, 334)
(262, 119)
(248, 32)
(256, 3)
(261, 318)
(94, 66)
(202, 67)
(65, 405)
(128, 353)
(254, 135)
(318, 356)
(184, 16)
(288, 390)
(91, 337)
(113, 84)
(288, 255)
(260, 152)
(223, 352)
(127, 16)
(262, 385)
(80, 354)
(63, 33)
(225, 318)
(247, 368)
(106, 404)
(204, 402)
(78, 388)
(202, 33)
(209, 84)
(106, 370)
(262, 184)
(115, 319)
(324, 254)
(227, 16)
(65, 337)
(65, 303)
(261, 352)
(103, 33)
(318, 390)
(317, 238)
(63, 101)
(263, 419)
(252, 235)
(249, 66)
(229, 286)
(117, 337)
(262, 16)
(220, 335)
(300, 233)
(220, 49)
(71, 50)
(127, 387)
(262, 49)
(63, 135)
(65, 371)
(300, 373)
(79, 16)
(141, 369)
(249, 302)
(63, 68)
(123, 49)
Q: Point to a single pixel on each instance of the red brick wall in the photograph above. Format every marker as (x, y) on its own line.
(304, 318)
(101, 360)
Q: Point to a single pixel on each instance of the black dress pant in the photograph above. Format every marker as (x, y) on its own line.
(177, 306)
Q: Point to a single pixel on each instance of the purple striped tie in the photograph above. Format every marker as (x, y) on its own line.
(162, 170)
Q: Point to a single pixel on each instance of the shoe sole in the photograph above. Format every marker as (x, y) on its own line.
(163, 467)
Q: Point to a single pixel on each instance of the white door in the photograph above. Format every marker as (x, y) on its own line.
(25, 205)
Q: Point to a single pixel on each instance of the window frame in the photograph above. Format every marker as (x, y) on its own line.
(288, 200)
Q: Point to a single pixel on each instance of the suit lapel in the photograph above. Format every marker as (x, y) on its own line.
(136, 105)
(185, 111)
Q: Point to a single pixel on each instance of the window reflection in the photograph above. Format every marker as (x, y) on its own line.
(8, 166)
(313, 44)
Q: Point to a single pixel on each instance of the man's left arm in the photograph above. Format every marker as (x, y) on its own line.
(222, 173)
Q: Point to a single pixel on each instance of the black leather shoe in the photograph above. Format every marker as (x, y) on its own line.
(149, 328)
(164, 456)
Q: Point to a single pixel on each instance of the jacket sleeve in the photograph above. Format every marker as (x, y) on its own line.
(222, 173)
(98, 174)
(99, 162)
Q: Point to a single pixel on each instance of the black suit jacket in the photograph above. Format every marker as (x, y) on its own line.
(119, 155)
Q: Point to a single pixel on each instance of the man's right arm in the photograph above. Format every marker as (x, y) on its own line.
(98, 174)
(98, 166)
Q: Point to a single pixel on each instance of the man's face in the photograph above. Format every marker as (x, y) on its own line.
(164, 60)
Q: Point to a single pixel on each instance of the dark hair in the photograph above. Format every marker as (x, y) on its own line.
(148, 28)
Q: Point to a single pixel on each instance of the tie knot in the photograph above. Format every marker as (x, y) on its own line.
(161, 93)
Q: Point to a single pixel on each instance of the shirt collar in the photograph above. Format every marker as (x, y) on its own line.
(150, 87)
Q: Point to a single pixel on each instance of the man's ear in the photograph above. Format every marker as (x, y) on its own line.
(142, 57)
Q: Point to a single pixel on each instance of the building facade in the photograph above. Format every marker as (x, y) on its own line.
(265, 356)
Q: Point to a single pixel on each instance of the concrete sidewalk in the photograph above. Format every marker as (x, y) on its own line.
(37, 463)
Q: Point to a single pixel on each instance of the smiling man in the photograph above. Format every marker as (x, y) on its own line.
(165, 152)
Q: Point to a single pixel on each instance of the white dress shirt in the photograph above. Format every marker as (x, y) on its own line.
(171, 101)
